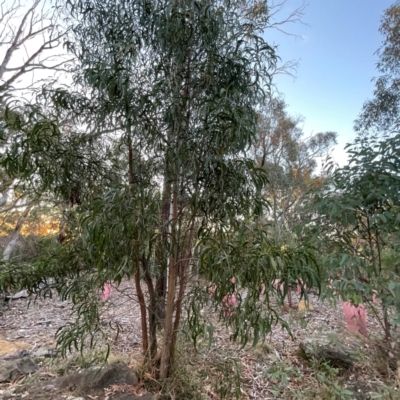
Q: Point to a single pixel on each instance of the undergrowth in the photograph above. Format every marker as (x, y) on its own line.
(199, 375)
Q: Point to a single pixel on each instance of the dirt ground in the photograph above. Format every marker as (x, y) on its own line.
(35, 323)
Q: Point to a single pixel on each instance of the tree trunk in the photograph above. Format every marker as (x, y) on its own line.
(142, 305)
(386, 323)
(151, 310)
(161, 284)
(15, 235)
(184, 264)
(166, 355)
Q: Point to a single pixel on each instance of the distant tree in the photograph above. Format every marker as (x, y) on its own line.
(382, 113)
(290, 159)
(30, 41)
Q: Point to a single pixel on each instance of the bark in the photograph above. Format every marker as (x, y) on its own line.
(142, 305)
(161, 284)
(166, 355)
(386, 323)
(152, 311)
(15, 235)
(184, 264)
(141, 299)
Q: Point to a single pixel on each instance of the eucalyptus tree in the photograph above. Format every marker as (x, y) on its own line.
(30, 54)
(382, 112)
(181, 80)
(172, 87)
(291, 160)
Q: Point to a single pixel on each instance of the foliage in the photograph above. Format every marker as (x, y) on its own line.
(147, 152)
(383, 111)
(324, 382)
(30, 51)
(290, 159)
(359, 215)
(248, 253)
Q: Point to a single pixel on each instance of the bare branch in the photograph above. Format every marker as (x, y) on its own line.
(13, 207)
(22, 33)
(278, 22)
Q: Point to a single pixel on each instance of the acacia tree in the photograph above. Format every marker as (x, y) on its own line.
(174, 86)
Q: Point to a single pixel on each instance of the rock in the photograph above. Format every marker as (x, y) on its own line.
(45, 352)
(95, 379)
(11, 370)
(129, 396)
(327, 347)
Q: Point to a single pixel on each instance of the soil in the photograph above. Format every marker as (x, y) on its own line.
(31, 324)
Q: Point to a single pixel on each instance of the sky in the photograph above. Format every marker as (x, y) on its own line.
(335, 49)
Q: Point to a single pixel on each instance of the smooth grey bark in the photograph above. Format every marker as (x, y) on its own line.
(17, 231)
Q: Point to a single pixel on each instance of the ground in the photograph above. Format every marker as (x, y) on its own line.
(275, 369)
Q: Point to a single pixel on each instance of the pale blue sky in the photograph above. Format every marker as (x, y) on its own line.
(336, 58)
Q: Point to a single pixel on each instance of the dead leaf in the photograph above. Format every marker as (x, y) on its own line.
(303, 306)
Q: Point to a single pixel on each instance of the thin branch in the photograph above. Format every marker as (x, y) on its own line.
(13, 206)
(19, 33)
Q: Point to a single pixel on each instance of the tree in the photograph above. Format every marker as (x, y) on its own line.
(383, 111)
(172, 87)
(290, 160)
(28, 38)
(360, 209)
(30, 41)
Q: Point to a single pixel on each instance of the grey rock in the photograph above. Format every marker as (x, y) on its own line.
(327, 347)
(45, 352)
(95, 379)
(14, 369)
(129, 396)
